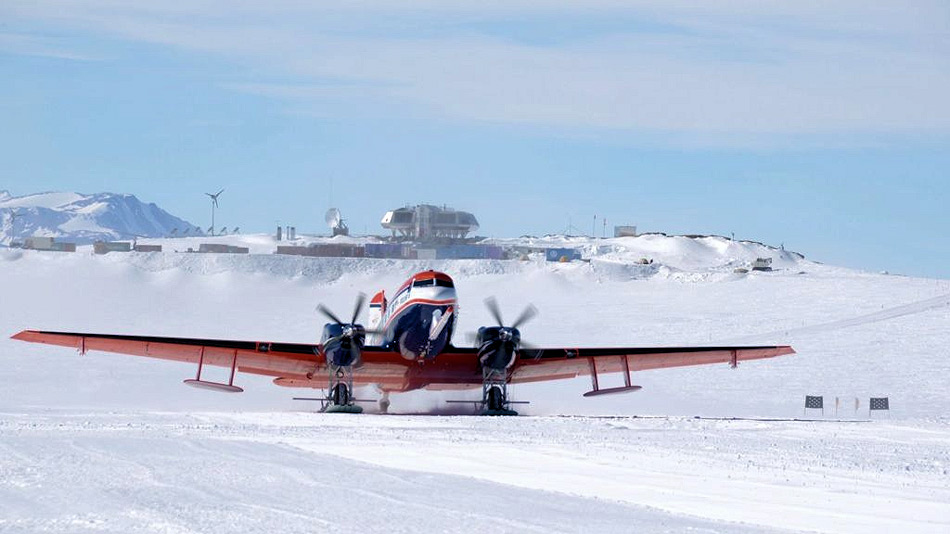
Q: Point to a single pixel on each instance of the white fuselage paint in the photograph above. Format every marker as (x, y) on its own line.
(442, 299)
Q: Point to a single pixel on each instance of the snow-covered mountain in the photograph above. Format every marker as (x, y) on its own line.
(83, 218)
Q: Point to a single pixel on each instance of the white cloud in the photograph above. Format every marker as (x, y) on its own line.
(32, 45)
(709, 70)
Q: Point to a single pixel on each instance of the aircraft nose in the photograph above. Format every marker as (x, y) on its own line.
(445, 293)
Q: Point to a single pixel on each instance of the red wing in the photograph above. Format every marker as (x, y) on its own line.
(458, 367)
(299, 365)
(294, 365)
(537, 365)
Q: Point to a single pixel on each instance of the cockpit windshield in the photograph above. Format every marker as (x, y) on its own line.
(433, 282)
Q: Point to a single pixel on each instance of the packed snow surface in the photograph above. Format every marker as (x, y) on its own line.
(111, 443)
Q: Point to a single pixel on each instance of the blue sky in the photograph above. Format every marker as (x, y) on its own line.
(823, 127)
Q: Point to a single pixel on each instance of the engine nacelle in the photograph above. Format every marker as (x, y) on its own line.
(343, 343)
(497, 346)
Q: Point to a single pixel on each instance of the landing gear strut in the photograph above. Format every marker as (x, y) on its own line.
(384, 402)
(340, 392)
(495, 393)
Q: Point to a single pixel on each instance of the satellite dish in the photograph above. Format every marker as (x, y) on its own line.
(333, 218)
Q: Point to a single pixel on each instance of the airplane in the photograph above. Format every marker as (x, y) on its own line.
(408, 346)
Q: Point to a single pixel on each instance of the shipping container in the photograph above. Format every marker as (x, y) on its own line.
(625, 231)
(562, 254)
(386, 250)
(147, 248)
(493, 252)
(425, 253)
(325, 250)
(337, 250)
(105, 247)
(215, 248)
(63, 247)
(39, 243)
(296, 251)
(463, 252)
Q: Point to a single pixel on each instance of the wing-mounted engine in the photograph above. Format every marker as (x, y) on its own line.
(342, 345)
(498, 345)
(498, 348)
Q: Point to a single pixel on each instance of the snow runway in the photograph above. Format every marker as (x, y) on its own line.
(108, 443)
(303, 472)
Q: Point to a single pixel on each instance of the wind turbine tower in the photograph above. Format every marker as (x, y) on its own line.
(214, 204)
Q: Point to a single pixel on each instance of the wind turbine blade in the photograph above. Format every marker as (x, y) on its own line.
(219, 192)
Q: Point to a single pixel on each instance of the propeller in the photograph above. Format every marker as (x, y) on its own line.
(530, 312)
(349, 329)
(344, 349)
(472, 339)
(357, 308)
(329, 314)
(498, 349)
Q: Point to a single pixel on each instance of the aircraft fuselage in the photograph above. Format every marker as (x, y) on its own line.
(419, 320)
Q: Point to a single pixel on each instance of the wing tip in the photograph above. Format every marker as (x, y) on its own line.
(24, 335)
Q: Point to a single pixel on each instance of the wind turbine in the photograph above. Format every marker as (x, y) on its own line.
(214, 204)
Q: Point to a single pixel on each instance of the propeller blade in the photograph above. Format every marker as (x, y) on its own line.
(329, 314)
(492, 304)
(530, 349)
(529, 313)
(334, 339)
(527, 345)
(360, 299)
